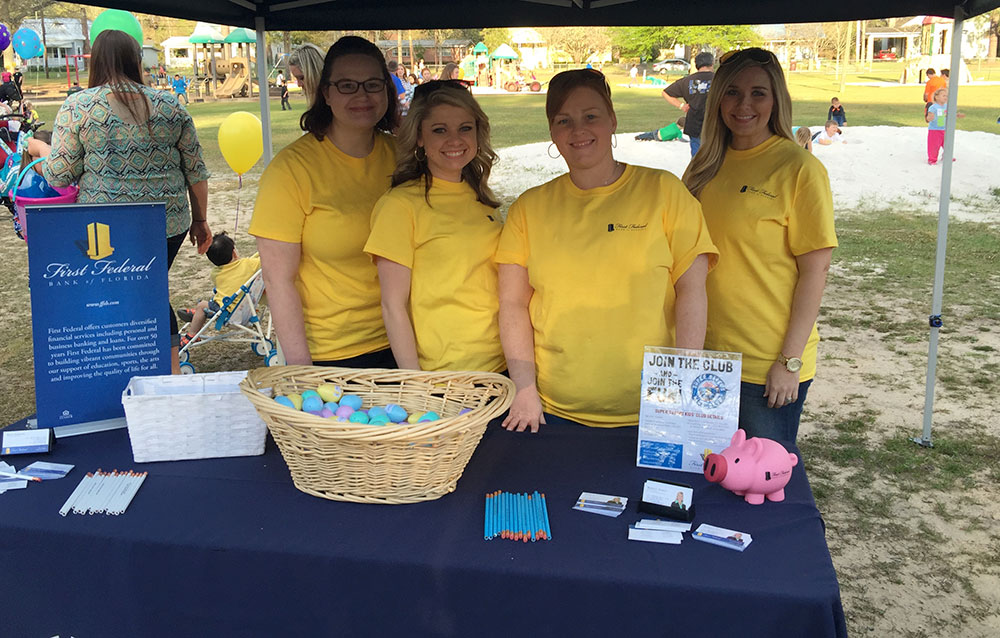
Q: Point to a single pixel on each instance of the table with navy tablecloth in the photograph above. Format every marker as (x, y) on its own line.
(229, 547)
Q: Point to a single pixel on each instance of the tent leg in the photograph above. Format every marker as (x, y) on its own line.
(265, 105)
(942, 235)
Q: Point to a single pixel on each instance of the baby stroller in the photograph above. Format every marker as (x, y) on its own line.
(242, 323)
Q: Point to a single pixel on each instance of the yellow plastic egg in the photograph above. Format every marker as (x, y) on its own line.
(297, 400)
(413, 418)
(329, 392)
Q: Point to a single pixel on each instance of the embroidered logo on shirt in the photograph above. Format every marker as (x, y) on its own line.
(753, 190)
(632, 227)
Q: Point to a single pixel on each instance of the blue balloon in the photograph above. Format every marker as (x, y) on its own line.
(27, 44)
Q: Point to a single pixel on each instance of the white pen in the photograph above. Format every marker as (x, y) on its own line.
(23, 477)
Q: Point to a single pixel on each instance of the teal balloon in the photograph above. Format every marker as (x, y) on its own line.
(116, 20)
(27, 44)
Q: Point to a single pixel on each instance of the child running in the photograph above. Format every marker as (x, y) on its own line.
(229, 274)
(937, 113)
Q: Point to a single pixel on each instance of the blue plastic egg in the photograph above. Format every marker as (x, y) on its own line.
(352, 401)
(358, 417)
(429, 416)
(379, 420)
(311, 403)
(285, 401)
(331, 406)
(396, 413)
(377, 412)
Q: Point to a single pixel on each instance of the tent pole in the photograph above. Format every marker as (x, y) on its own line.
(942, 235)
(265, 105)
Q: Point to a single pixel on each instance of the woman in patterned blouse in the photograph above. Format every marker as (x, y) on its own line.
(122, 141)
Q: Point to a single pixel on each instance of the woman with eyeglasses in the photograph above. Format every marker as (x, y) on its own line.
(312, 215)
(768, 205)
(593, 266)
(434, 235)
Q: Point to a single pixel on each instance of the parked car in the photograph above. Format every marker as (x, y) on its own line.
(885, 54)
(671, 65)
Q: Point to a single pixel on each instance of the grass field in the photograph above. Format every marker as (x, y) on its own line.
(912, 530)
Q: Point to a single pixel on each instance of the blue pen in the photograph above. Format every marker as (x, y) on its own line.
(536, 513)
(517, 516)
(520, 517)
(486, 519)
(524, 511)
(506, 515)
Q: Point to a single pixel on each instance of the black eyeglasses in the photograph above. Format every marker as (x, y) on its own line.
(350, 87)
(434, 85)
(754, 53)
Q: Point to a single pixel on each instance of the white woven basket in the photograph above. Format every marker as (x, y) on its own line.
(192, 416)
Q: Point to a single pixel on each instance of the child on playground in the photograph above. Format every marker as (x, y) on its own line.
(830, 134)
(229, 274)
(180, 87)
(667, 133)
(837, 112)
(937, 112)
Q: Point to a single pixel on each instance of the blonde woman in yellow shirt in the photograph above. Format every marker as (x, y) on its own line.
(593, 266)
(434, 235)
(313, 213)
(768, 205)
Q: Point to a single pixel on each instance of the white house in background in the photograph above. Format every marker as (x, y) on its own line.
(63, 37)
(532, 48)
(178, 52)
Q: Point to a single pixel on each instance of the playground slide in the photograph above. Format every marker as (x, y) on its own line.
(233, 86)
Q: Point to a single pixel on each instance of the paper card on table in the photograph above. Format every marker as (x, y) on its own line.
(722, 537)
(690, 405)
(26, 441)
(668, 494)
(10, 483)
(668, 526)
(47, 471)
(654, 535)
(603, 504)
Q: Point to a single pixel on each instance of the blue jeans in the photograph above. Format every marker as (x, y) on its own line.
(695, 145)
(781, 424)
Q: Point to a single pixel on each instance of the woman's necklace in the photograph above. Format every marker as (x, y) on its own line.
(614, 172)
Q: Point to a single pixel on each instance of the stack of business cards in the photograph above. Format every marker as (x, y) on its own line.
(656, 531)
(603, 504)
(722, 537)
(8, 481)
(47, 471)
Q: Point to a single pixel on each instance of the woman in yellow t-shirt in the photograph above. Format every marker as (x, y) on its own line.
(768, 205)
(313, 212)
(434, 235)
(593, 266)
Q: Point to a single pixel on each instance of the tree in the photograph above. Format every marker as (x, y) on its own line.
(580, 43)
(495, 37)
(647, 41)
(12, 12)
(642, 42)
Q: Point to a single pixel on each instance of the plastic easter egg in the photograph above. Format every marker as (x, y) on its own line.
(429, 416)
(310, 393)
(379, 420)
(297, 400)
(312, 403)
(344, 411)
(464, 411)
(331, 406)
(413, 418)
(377, 412)
(353, 401)
(313, 412)
(329, 392)
(326, 413)
(285, 401)
(341, 419)
(358, 417)
(396, 413)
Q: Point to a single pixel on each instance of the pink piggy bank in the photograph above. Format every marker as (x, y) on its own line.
(752, 468)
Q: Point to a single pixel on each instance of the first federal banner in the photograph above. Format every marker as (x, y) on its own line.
(99, 306)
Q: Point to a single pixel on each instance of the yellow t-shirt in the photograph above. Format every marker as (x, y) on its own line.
(228, 278)
(765, 206)
(448, 245)
(315, 195)
(603, 264)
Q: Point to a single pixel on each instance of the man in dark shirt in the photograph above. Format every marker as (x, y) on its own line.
(694, 90)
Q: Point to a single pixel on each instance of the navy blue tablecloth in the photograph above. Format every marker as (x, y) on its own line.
(229, 547)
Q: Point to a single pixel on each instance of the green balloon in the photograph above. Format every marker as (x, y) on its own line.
(116, 20)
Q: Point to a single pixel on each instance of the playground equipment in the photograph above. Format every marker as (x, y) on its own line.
(237, 78)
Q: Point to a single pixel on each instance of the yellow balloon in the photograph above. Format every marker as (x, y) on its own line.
(241, 140)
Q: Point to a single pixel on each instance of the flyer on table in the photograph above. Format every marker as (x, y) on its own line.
(99, 313)
(690, 406)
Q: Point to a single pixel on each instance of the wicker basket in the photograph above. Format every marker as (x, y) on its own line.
(197, 416)
(390, 464)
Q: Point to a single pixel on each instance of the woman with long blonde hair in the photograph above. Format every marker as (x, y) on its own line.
(769, 209)
(434, 235)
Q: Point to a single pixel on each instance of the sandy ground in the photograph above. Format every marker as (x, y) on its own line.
(878, 166)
